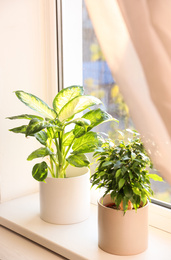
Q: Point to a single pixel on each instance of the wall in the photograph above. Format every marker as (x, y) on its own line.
(27, 62)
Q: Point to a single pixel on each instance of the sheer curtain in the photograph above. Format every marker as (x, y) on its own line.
(135, 37)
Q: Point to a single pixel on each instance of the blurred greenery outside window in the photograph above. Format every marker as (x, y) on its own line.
(98, 81)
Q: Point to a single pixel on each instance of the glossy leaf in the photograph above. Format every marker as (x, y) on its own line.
(125, 203)
(78, 160)
(41, 152)
(86, 143)
(77, 105)
(128, 191)
(133, 155)
(133, 132)
(36, 104)
(42, 137)
(155, 177)
(107, 163)
(143, 198)
(19, 130)
(130, 175)
(80, 122)
(118, 199)
(121, 183)
(25, 116)
(98, 116)
(36, 125)
(50, 133)
(68, 138)
(95, 117)
(40, 171)
(65, 95)
(136, 191)
(79, 131)
(118, 172)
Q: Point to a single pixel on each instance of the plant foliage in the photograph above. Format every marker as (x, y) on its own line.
(61, 146)
(123, 170)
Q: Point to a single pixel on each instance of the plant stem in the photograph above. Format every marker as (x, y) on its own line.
(51, 167)
(51, 171)
(59, 156)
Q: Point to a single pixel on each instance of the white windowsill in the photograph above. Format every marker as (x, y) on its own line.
(78, 241)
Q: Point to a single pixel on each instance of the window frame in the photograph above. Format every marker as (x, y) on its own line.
(64, 24)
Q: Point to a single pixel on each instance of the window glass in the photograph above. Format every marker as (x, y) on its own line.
(98, 81)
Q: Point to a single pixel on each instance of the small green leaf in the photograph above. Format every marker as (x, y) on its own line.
(137, 201)
(133, 155)
(65, 95)
(118, 165)
(136, 191)
(86, 143)
(155, 177)
(107, 163)
(128, 191)
(121, 133)
(41, 152)
(40, 171)
(118, 172)
(36, 104)
(78, 160)
(121, 183)
(144, 198)
(100, 174)
(125, 203)
(134, 132)
(118, 200)
(77, 105)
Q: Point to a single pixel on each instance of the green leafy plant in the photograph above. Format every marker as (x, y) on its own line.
(123, 170)
(60, 145)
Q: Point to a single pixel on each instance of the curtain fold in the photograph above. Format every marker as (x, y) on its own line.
(135, 37)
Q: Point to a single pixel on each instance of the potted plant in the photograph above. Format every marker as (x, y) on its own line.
(65, 138)
(123, 170)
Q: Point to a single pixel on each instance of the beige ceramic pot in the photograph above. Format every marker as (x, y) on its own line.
(122, 234)
(66, 201)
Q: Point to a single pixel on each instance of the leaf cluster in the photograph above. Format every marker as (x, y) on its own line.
(60, 145)
(123, 170)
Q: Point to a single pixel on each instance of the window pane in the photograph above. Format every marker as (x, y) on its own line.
(98, 81)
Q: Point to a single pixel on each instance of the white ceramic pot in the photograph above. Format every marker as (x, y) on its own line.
(66, 201)
(122, 234)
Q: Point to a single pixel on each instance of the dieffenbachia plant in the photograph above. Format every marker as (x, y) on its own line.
(61, 146)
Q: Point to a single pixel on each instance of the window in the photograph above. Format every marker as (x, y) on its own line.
(36, 72)
(98, 81)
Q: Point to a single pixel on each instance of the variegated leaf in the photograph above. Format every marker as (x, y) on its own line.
(65, 95)
(77, 105)
(36, 104)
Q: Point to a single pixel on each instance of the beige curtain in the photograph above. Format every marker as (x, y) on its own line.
(135, 37)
